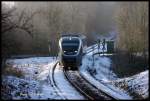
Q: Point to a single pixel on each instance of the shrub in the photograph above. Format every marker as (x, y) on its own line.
(123, 67)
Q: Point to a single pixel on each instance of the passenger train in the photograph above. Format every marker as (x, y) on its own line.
(71, 50)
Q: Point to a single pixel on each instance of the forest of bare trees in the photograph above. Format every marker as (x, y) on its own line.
(35, 27)
(132, 21)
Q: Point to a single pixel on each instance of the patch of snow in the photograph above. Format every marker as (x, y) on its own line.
(23, 89)
(104, 84)
(47, 90)
(26, 61)
(30, 66)
(101, 75)
(138, 83)
(67, 90)
(37, 71)
(101, 66)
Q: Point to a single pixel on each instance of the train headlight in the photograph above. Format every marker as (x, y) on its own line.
(64, 51)
(75, 51)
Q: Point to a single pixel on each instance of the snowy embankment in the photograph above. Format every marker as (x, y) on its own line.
(138, 84)
(101, 75)
(68, 91)
(36, 82)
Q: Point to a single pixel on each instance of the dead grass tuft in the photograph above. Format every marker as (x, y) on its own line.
(9, 70)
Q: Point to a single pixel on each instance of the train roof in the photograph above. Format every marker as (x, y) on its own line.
(74, 35)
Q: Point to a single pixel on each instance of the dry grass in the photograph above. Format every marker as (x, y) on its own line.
(123, 85)
(9, 70)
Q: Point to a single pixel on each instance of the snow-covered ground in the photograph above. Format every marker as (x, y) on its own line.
(137, 84)
(100, 74)
(36, 85)
(32, 67)
(66, 90)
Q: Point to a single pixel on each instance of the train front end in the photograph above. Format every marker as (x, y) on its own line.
(70, 52)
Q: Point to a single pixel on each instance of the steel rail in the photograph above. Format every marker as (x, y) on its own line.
(98, 94)
(53, 82)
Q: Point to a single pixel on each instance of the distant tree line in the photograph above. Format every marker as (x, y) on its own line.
(34, 27)
(31, 27)
(133, 22)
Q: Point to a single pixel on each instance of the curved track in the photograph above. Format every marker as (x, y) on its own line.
(51, 79)
(84, 87)
(80, 83)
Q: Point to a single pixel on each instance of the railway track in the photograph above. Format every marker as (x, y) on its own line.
(52, 82)
(85, 88)
(82, 85)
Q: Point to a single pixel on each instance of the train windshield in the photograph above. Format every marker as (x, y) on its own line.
(70, 47)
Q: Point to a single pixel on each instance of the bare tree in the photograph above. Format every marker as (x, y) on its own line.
(17, 20)
(6, 15)
(12, 20)
(133, 27)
